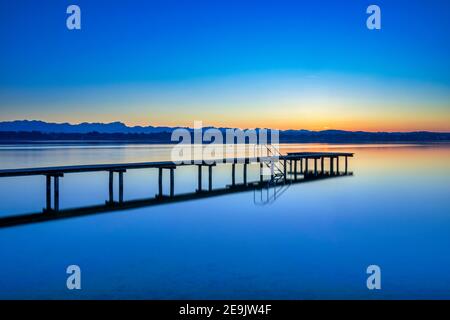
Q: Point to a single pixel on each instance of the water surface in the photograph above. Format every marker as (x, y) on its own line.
(315, 241)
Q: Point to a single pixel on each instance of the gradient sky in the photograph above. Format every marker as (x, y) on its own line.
(239, 63)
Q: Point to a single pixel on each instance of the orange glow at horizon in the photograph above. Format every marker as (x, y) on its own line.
(375, 123)
(282, 121)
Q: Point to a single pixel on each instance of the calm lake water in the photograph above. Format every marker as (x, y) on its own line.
(315, 241)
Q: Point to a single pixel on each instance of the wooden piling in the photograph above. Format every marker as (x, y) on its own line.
(172, 182)
(111, 187)
(245, 173)
(160, 179)
(48, 196)
(199, 188)
(331, 165)
(295, 169)
(210, 178)
(346, 165)
(56, 193)
(337, 165)
(121, 187)
(233, 174)
(261, 169)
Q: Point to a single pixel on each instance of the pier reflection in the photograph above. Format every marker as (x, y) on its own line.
(264, 193)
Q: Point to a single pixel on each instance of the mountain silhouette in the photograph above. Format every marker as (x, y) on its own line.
(35, 130)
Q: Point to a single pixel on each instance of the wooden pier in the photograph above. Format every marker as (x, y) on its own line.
(292, 167)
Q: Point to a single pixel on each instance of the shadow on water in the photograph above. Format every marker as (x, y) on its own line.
(264, 193)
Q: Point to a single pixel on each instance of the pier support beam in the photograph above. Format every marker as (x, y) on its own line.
(111, 187)
(172, 182)
(48, 191)
(261, 169)
(285, 170)
(315, 166)
(306, 166)
(322, 165)
(48, 197)
(301, 165)
(337, 165)
(272, 170)
(233, 174)
(199, 188)
(331, 166)
(346, 165)
(56, 193)
(121, 187)
(295, 169)
(245, 173)
(210, 178)
(160, 181)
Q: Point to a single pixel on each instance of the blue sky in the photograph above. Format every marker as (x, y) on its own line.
(299, 64)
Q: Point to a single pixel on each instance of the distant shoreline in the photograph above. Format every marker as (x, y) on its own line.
(55, 133)
(166, 142)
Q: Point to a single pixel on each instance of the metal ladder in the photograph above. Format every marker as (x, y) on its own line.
(271, 161)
